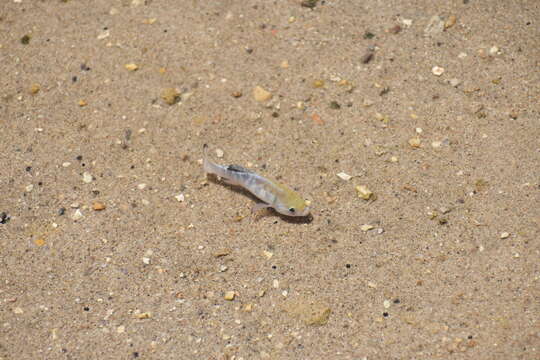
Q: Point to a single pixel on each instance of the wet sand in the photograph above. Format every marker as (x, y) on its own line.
(115, 245)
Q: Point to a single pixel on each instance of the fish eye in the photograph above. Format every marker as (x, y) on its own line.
(292, 210)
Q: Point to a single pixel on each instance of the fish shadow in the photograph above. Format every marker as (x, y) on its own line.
(268, 211)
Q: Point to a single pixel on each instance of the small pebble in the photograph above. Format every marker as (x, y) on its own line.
(223, 268)
(66, 164)
(34, 89)
(419, 130)
(505, 235)
(366, 227)
(437, 70)
(261, 95)
(104, 34)
(414, 142)
(121, 329)
(219, 153)
(141, 186)
(149, 21)
(131, 67)
(455, 82)
(171, 96)
(386, 304)
(87, 177)
(309, 3)
(335, 105)
(344, 176)
(4, 218)
(364, 192)
(394, 159)
(18, 310)
(494, 50)
(25, 40)
(77, 215)
(406, 22)
(367, 102)
(394, 29)
(146, 260)
(318, 84)
(82, 103)
(435, 26)
(29, 188)
(180, 197)
(98, 206)
(268, 254)
(367, 57)
(222, 252)
(229, 295)
(144, 315)
(451, 21)
(436, 144)
(39, 242)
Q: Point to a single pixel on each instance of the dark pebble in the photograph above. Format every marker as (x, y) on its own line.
(367, 57)
(335, 105)
(309, 3)
(25, 40)
(369, 35)
(4, 218)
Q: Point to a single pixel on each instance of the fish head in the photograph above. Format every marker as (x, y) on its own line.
(294, 206)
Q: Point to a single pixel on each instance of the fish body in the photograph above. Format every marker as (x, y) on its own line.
(273, 194)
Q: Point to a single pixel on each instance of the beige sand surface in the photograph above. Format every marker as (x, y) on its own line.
(114, 244)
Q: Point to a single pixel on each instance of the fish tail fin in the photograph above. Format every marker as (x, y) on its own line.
(208, 166)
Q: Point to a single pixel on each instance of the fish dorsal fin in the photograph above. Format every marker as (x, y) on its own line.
(238, 168)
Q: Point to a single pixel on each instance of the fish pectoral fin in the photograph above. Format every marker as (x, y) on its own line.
(260, 206)
(228, 181)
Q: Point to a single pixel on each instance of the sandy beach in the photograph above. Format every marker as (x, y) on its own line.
(412, 128)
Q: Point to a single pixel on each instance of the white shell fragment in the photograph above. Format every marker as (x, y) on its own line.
(437, 70)
(87, 177)
(344, 176)
(366, 227)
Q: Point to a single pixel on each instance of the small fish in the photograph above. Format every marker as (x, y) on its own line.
(274, 195)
